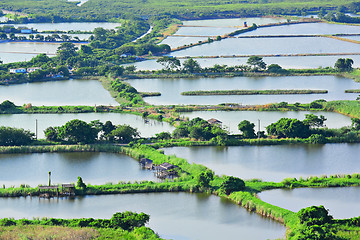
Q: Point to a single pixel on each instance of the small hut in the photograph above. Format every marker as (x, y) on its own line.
(48, 191)
(146, 163)
(165, 170)
(214, 121)
(68, 189)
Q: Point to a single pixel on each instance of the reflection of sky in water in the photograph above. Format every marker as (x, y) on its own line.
(173, 215)
(285, 62)
(27, 121)
(304, 29)
(274, 163)
(171, 89)
(331, 198)
(273, 46)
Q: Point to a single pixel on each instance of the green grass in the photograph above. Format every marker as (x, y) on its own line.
(253, 92)
(352, 91)
(346, 107)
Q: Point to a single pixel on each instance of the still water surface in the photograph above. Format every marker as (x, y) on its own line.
(27, 121)
(274, 163)
(24, 51)
(179, 216)
(69, 92)
(304, 29)
(94, 168)
(273, 46)
(342, 202)
(171, 89)
(67, 26)
(231, 119)
(297, 62)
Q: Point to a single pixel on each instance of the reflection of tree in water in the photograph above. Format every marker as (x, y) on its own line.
(79, 156)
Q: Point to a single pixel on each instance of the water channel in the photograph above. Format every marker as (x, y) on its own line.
(274, 163)
(342, 202)
(27, 121)
(171, 89)
(57, 93)
(94, 168)
(179, 216)
(231, 119)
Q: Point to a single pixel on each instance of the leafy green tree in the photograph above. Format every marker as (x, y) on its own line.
(343, 64)
(275, 68)
(204, 178)
(15, 137)
(169, 63)
(287, 127)
(314, 215)
(80, 184)
(52, 134)
(129, 220)
(256, 62)
(355, 123)
(191, 66)
(247, 129)
(77, 131)
(232, 184)
(124, 134)
(317, 139)
(66, 50)
(163, 135)
(314, 121)
(7, 105)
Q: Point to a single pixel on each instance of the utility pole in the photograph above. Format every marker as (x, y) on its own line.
(36, 129)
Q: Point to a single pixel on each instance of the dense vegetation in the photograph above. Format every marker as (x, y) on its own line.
(96, 10)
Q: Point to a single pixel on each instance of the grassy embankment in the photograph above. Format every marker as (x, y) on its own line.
(253, 92)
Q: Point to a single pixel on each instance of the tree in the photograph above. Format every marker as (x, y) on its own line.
(232, 184)
(7, 105)
(169, 63)
(80, 184)
(66, 50)
(129, 220)
(204, 178)
(124, 134)
(314, 215)
(15, 137)
(314, 121)
(256, 62)
(191, 66)
(344, 65)
(247, 129)
(76, 131)
(287, 127)
(355, 123)
(163, 135)
(275, 68)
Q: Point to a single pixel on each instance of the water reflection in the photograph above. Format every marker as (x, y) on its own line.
(341, 202)
(274, 163)
(27, 121)
(173, 215)
(94, 168)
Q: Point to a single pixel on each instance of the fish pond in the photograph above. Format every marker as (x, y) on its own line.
(94, 168)
(172, 215)
(231, 119)
(171, 89)
(57, 93)
(274, 163)
(342, 202)
(146, 128)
